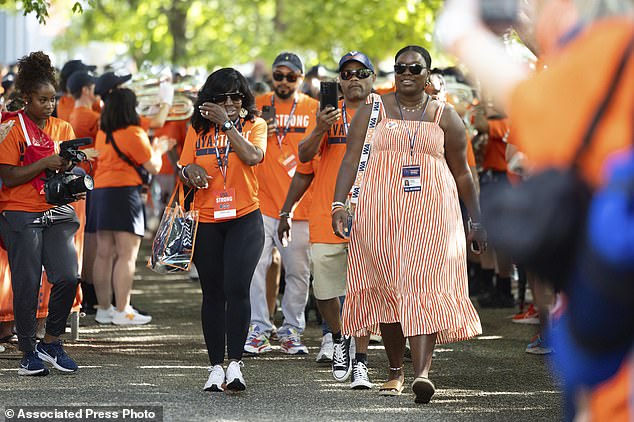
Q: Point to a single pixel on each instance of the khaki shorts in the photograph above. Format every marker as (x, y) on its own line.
(330, 263)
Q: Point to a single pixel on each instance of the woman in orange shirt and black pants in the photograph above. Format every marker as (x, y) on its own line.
(224, 143)
(34, 232)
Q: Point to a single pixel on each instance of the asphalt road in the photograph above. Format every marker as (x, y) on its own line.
(165, 364)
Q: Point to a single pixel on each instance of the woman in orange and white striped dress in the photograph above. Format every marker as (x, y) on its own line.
(407, 262)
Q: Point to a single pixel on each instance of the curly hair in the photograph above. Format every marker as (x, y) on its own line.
(34, 70)
(219, 82)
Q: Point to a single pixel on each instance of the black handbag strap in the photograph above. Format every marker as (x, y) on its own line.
(606, 101)
(110, 140)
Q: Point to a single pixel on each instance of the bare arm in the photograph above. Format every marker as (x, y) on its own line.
(246, 151)
(309, 146)
(299, 186)
(158, 120)
(354, 145)
(18, 175)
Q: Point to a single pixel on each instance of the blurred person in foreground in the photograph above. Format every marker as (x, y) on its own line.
(116, 205)
(224, 143)
(321, 153)
(566, 34)
(407, 267)
(34, 232)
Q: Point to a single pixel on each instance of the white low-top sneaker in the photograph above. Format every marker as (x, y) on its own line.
(326, 350)
(130, 317)
(104, 316)
(216, 379)
(234, 380)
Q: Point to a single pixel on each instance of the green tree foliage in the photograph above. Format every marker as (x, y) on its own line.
(37, 7)
(220, 33)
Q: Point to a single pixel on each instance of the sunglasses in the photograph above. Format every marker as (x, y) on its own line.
(415, 69)
(346, 75)
(222, 98)
(291, 77)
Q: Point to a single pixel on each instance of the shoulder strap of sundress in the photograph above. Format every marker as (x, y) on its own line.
(439, 111)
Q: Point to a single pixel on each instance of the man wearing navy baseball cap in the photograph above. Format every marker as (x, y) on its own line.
(66, 103)
(328, 138)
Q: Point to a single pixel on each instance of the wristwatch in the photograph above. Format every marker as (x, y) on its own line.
(227, 125)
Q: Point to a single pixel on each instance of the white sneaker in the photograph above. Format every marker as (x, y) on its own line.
(130, 317)
(234, 380)
(216, 379)
(360, 379)
(104, 316)
(327, 346)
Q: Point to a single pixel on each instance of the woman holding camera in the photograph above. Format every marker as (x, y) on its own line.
(34, 232)
(223, 145)
(116, 209)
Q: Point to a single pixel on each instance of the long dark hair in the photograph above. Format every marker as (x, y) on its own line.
(34, 70)
(418, 49)
(220, 82)
(119, 111)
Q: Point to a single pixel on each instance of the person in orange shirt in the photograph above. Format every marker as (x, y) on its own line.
(294, 113)
(34, 232)
(225, 142)
(116, 205)
(321, 153)
(66, 102)
(83, 119)
(551, 112)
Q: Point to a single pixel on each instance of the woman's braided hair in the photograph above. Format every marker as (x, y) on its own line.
(34, 70)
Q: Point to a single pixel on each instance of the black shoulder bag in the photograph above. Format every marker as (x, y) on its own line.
(541, 222)
(146, 177)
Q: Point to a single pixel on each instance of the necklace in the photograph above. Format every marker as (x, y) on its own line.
(417, 107)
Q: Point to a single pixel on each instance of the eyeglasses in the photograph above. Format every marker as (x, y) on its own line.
(415, 69)
(222, 98)
(279, 76)
(346, 75)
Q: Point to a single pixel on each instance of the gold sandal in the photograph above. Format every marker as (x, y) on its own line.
(392, 387)
(423, 389)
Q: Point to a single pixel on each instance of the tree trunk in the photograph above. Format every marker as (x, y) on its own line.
(177, 22)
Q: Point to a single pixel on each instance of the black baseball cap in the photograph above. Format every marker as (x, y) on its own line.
(75, 66)
(290, 60)
(356, 56)
(8, 80)
(78, 80)
(109, 81)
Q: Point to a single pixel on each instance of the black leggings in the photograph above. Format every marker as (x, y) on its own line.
(226, 255)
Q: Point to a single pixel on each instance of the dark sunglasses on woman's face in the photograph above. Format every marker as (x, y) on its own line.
(415, 69)
(346, 75)
(222, 98)
(279, 76)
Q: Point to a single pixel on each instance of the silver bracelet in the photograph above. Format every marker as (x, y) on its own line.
(337, 204)
(183, 172)
(285, 214)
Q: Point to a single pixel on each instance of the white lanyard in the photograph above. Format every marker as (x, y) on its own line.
(365, 152)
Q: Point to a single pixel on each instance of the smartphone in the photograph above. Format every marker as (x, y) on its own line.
(268, 112)
(328, 94)
(499, 15)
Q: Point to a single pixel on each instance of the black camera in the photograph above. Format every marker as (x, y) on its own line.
(63, 188)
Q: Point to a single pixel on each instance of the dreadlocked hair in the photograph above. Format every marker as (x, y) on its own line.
(34, 70)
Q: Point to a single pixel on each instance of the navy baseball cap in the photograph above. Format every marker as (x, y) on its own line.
(357, 57)
(108, 81)
(78, 80)
(75, 66)
(290, 60)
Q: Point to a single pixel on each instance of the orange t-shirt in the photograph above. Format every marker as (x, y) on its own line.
(177, 130)
(85, 123)
(24, 197)
(552, 110)
(272, 176)
(471, 161)
(325, 165)
(495, 154)
(112, 171)
(66, 104)
(200, 149)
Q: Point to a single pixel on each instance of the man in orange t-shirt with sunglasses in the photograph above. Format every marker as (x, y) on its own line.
(289, 113)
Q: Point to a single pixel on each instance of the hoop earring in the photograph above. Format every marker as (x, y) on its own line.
(243, 113)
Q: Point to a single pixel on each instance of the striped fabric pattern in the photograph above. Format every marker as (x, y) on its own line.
(407, 260)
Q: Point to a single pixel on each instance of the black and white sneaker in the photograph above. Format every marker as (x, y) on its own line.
(360, 379)
(341, 362)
